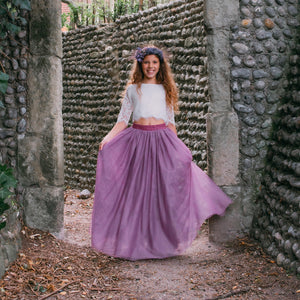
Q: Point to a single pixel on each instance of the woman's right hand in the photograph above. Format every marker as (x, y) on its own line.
(102, 144)
(115, 131)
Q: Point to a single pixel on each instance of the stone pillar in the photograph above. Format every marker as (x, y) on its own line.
(40, 156)
(222, 121)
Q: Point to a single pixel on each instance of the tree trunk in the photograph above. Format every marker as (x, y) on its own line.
(152, 3)
(94, 12)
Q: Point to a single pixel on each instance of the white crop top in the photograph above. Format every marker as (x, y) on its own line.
(151, 103)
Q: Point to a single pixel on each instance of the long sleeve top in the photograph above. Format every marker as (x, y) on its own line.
(151, 102)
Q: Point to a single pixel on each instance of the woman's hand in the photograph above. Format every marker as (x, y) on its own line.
(172, 127)
(102, 144)
(115, 131)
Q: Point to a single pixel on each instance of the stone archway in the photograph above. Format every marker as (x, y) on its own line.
(40, 157)
(41, 162)
(222, 122)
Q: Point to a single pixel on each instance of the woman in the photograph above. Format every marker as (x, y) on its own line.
(150, 198)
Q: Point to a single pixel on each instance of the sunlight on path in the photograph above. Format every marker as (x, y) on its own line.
(173, 278)
(205, 271)
(166, 279)
(78, 213)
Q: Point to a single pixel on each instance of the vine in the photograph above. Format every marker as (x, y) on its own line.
(11, 21)
(10, 24)
(7, 183)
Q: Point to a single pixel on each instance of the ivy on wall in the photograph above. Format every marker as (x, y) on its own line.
(7, 183)
(11, 21)
(10, 24)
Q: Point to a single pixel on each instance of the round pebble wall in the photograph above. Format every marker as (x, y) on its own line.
(276, 225)
(13, 122)
(96, 67)
(265, 95)
(264, 54)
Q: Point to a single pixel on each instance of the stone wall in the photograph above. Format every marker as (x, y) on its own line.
(40, 151)
(260, 41)
(264, 73)
(96, 67)
(276, 225)
(31, 131)
(13, 125)
(264, 90)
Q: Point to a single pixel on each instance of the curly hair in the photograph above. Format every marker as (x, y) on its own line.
(164, 77)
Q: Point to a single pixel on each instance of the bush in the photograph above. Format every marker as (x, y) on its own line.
(7, 184)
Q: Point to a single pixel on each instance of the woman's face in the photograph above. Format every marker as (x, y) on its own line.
(150, 67)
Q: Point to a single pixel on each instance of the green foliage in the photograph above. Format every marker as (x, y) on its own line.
(64, 20)
(85, 14)
(99, 11)
(7, 183)
(23, 4)
(10, 19)
(124, 7)
(10, 23)
(3, 85)
(3, 82)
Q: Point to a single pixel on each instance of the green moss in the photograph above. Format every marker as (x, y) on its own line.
(40, 28)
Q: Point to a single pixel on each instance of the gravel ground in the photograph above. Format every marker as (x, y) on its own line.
(48, 268)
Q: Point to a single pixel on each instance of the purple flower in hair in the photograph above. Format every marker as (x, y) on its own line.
(141, 53)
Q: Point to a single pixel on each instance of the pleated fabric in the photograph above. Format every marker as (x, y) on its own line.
(150, 198)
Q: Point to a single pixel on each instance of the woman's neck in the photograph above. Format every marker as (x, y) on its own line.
(149, 81)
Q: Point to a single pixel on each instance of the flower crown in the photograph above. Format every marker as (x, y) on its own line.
(140, 53)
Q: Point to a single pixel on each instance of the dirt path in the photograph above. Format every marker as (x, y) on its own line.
(206, 271)
(48, 268)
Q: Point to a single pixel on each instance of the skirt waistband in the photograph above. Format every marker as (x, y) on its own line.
(149, 127)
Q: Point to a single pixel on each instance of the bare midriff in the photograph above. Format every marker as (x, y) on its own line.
(149, 121)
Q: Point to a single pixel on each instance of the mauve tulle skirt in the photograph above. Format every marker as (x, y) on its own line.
(150, 198)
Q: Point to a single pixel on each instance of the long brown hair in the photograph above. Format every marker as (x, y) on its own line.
(164, 77)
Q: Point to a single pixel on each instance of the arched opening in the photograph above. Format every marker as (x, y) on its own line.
(198, 59)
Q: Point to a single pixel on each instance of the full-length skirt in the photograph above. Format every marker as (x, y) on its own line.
(150, 198)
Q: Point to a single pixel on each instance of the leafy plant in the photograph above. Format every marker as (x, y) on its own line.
(99, 11)
(7, 183)
(123, 7)
(3, 83)
(10, 23)
(64, 19)
(10, 19)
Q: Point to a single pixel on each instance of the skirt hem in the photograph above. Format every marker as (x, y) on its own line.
(150, 198)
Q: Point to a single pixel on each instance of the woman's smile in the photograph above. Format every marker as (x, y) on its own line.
(150, 67)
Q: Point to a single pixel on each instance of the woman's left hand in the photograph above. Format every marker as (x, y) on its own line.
(172, 127)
